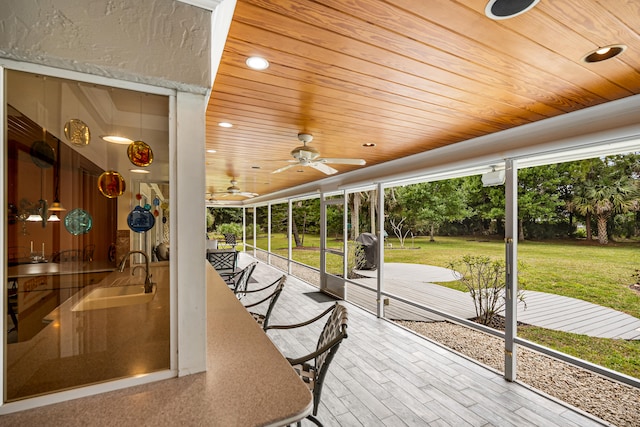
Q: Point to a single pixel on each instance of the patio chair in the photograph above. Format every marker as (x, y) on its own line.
(239, 281)
(313, 374)
(229, 241)
(224, 261)
(277, 287)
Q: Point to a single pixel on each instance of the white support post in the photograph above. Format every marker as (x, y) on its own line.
(255, 240)
(345, 240)
(269, 233)
(289, 236)
(244, 229)
(380, 266)
(323, 243)
(511, 261)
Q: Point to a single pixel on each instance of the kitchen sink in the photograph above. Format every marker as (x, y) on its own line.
(114, 296)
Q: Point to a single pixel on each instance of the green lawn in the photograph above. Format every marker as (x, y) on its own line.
(598, 274)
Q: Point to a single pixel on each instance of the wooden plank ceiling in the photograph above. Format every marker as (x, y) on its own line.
(406, 75)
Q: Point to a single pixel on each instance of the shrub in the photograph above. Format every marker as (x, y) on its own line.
(486, 281)
(230, 228)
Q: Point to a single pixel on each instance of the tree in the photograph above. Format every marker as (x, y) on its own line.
(307, 214)
(538, 197)
(605, 199)
(429, 204)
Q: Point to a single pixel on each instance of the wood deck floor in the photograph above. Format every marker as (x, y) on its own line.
(411, 281)
(384, 375)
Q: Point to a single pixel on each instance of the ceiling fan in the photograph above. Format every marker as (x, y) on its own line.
(310, 156)
(233, 190)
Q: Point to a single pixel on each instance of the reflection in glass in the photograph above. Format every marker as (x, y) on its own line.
(50, 347)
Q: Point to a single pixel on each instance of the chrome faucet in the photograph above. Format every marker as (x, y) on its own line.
(148, 286)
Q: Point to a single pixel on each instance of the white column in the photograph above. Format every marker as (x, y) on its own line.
(511, 254)
(380, 233)
(188, 206)
(289, 235)
(269, 233)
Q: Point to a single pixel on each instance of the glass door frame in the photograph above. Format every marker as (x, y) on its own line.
(329, 282)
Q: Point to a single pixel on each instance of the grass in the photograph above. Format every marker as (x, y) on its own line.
(593, 273)
(619, 355)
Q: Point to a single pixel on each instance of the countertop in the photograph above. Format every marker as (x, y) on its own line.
(50, 268)
(247, 383)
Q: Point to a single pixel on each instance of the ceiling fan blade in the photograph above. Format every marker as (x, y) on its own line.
(282, 169)
(338, 161)
(247, 194)
(323, 168)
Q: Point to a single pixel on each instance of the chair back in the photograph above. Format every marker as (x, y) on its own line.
(273, 298)
(230, 239)
(334, 329)
(223, 260)
(243, 280)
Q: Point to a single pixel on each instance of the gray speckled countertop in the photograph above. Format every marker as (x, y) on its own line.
(247, 383)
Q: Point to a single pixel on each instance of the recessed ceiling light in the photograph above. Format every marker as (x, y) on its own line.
(300, 170)
(116, 139)
(257, 63)
(211, 151)
(139, 171)
(504, 9)
(369, 144)
(225, 125)
(605, 52)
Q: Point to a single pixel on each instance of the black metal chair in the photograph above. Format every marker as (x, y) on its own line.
(313, 374)
(239, 281)
(229, 241)
(224, 261)
(272, 298)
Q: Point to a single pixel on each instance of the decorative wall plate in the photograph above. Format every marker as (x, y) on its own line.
(78, 221)
(140, 220)
(77, 132)
(42, 154)
(140, 153)
(111, 184)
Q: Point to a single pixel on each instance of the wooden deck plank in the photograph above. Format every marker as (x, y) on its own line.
(542, 309)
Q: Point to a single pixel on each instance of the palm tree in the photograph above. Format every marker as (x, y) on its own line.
(605, 199)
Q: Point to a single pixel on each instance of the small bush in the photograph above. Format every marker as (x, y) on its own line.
(230, 228)
(485, 279)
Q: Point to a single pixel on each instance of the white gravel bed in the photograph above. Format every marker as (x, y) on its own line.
(613, 402)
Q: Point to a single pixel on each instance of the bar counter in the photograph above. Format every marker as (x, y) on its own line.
(248, 382)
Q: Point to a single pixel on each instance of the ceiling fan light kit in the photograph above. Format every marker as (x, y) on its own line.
(310, 156)
(232, 190)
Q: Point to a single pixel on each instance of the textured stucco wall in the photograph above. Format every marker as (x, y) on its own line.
(160, 42)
